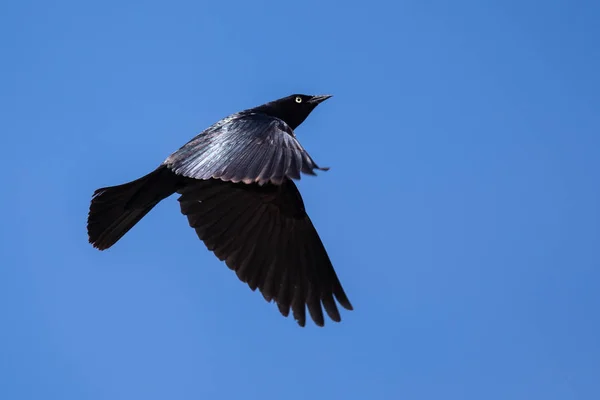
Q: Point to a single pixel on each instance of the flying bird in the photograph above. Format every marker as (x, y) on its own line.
(237, 190)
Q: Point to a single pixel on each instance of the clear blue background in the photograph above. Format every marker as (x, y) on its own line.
(461, 210)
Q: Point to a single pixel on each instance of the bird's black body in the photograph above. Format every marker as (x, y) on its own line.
(237, 191)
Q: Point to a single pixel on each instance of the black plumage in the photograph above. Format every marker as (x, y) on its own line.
(237, 191)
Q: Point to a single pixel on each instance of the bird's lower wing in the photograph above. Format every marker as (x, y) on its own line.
(265, 236)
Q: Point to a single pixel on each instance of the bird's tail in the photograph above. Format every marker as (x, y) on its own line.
(116, 209)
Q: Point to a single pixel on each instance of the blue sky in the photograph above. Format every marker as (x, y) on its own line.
(461, 211)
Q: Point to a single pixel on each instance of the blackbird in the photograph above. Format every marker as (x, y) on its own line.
(236, 181)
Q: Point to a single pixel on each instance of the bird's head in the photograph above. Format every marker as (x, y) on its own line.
(292, 109)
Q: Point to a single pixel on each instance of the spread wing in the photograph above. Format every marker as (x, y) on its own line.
(244, 148)
(264, 234)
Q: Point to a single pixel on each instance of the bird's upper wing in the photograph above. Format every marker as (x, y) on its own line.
(248, 148)
(265, 235)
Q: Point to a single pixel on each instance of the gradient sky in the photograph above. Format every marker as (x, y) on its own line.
(461, 211)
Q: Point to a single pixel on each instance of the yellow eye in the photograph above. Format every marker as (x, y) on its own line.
(298, 99)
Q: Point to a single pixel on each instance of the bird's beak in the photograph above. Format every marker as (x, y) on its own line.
(319, 99)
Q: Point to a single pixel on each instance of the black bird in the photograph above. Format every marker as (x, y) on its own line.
(237, 191)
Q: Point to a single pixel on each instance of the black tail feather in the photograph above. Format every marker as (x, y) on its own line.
(116, 209)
